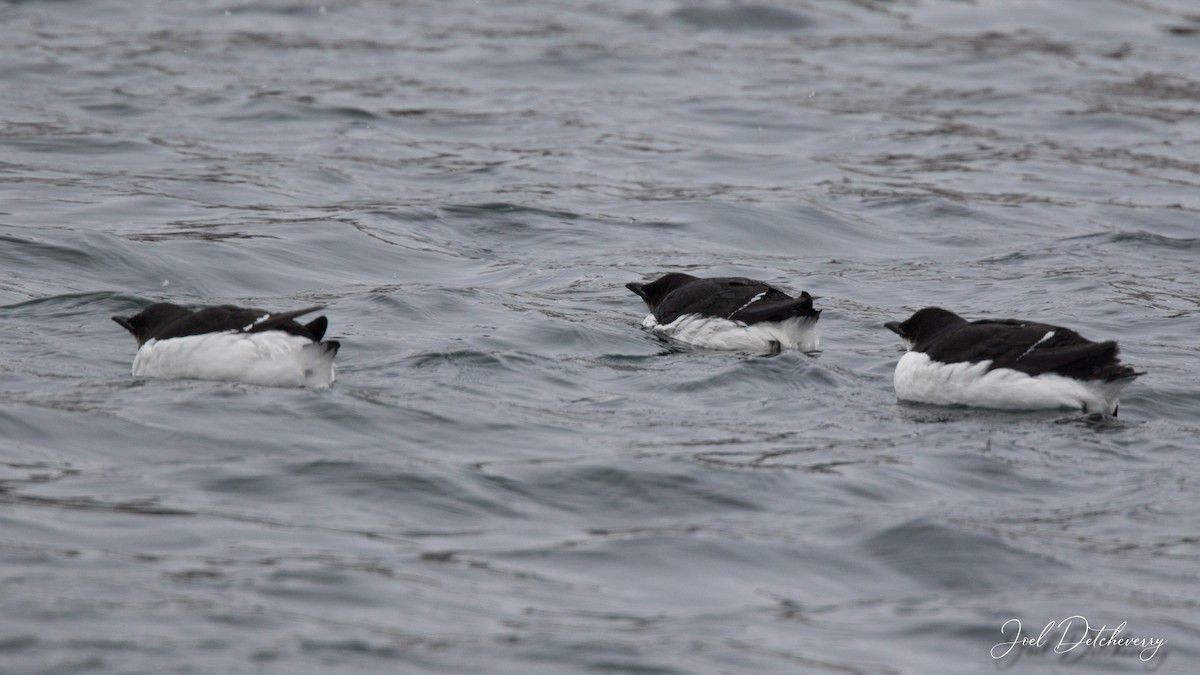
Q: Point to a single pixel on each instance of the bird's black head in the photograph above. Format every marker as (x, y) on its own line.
(150, 320)
(924, 324)
(655, 291)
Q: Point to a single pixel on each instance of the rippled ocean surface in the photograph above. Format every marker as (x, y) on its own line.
(510, 475)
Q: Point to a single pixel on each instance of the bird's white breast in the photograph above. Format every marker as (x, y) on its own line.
(708, 332)
(919, 378)
(269, 358)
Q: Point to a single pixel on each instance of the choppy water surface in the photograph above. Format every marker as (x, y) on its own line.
(511, 476)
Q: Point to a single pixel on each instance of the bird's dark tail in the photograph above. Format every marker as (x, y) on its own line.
(317, 327)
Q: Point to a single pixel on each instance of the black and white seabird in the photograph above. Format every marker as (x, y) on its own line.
(238, 344)
(1007, 364)
(730, 313)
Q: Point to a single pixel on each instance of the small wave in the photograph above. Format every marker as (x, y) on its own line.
(71, 304)
(742, 17)
(943, 557)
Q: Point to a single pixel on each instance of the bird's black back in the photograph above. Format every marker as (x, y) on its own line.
(735, 298)
(164, 320)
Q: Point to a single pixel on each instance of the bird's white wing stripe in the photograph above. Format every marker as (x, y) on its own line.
(1033, 346)
(749, 302)
(257, 321)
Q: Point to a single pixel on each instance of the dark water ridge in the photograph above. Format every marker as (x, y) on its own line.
(510, 475)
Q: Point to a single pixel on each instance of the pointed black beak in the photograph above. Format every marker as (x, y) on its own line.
(124, 322)
(894, 326)
(637, 288)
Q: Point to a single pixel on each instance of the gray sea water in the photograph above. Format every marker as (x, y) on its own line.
(510, 475)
